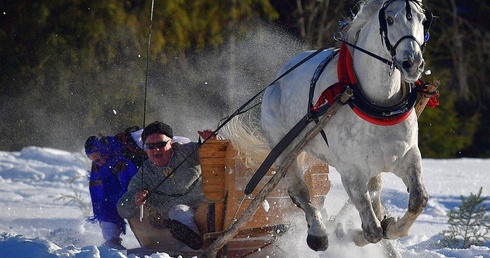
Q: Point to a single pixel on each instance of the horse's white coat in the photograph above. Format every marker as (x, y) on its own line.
(359, 150)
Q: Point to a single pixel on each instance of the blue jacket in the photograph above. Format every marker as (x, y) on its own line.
(109, 182)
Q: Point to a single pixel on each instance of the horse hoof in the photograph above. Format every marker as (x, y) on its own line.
(317, 243)
(385, 223)
(373, 235)
(374, 238)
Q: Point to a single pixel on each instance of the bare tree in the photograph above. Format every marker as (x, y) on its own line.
(462, 42)
(314, 21)
(317, 20)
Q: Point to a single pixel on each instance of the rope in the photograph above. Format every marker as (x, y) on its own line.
(146, 91)
(148, 62)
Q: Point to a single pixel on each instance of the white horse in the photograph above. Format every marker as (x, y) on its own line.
(360, 147)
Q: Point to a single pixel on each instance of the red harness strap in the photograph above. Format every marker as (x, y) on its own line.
(345, 68)
(329, 94)
(346, 76)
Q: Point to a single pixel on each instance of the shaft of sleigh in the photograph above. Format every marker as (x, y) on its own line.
(420, 106)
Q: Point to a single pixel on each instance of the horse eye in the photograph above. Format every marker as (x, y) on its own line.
(390, 21)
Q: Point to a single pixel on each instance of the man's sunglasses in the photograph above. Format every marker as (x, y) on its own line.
(154, 145)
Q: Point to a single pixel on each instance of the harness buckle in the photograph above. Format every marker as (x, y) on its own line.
(392, 66)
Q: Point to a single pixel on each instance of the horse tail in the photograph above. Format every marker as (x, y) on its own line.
(245, 135)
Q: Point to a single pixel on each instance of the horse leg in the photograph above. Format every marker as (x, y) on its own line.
(298, 191)
(358, 192)
(411, 173)
(374, 188)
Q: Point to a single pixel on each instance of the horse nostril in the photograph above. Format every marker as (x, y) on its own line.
(406, 65)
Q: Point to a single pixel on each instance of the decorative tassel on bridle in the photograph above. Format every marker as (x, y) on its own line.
(423, 89)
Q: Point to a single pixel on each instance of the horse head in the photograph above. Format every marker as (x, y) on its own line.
(404, 29)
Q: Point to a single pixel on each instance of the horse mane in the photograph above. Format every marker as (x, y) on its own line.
(244, 134)
(367, 8)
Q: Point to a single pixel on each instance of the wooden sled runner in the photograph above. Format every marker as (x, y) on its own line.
(225, 175)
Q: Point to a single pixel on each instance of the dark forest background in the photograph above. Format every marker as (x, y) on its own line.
(73, 68)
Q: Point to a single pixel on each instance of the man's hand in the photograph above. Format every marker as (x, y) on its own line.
(208, 133)
(140, 198)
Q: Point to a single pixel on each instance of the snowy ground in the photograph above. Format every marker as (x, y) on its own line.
(35, 222)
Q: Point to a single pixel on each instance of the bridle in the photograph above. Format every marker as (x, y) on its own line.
(384, 33)
(383, 30)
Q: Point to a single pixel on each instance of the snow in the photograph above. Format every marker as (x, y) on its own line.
(36, 221)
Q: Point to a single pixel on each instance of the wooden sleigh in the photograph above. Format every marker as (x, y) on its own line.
(225, 175)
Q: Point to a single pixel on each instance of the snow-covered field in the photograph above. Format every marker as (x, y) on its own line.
(36, 221)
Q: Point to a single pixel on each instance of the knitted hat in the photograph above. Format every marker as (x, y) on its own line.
(157, 128)
(92, 145)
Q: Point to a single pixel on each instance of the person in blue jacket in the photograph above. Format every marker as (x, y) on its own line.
(110, 175)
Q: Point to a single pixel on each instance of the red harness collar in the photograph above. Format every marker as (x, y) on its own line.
(347, 77)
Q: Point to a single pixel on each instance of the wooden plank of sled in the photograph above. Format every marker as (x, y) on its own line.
(252, 232)
(272, 212)
(226, 176)
(213, 161)
(212, 250)
(230, 173)
(237, 177)
(214, 149)
(213, 182)
(212, 157)
(278, 199)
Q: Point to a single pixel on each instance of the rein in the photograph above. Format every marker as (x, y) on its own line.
(228, 119)
(338, 37)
